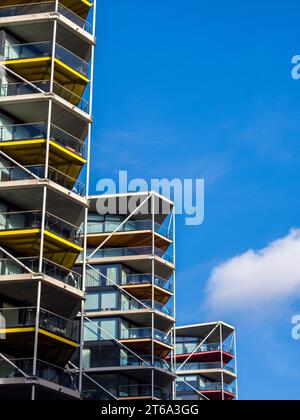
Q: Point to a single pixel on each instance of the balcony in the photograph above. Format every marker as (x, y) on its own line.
(79, 7)
(208, 352)
(191, 366)
(26, 143)
(9, 267)
(21, 231)
(13, 91)
(58, 336)
(140, 339)
(18, 318)
(128, 361)
(140, 286)
(33, 61)
(144, 392)
(44, 7)
(13, 372)
(212, 390)
(132, 252)
(143, 305)
(16, 173)
(133, 233)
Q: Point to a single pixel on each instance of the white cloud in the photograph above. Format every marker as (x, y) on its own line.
(257, 281)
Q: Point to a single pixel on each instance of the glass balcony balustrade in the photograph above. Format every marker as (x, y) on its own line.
(43, 86)
(17, 173)
(204, 366)
(9, 267)
(130, 252)
(127, 361)
(141, 305)
(44, 49)
(202, 387)
(33, 220)
(26, 317)
(133, 225)
(140, 390)
(37, 131)
(146, 279)
(45, 371)
(141, 333)
(188, 348)
(44, 7)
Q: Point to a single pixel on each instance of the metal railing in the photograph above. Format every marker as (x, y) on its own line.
(17, 173)
(141, 390)
(10, 267)
(34, 131)
(26, 88)
(33, 220)
(133, 305)
(140, 333)
(205, 366)
(202, 387)
(26, 317)
(130, 252)
(128, 361)
(44, 49)
(133, 225)
(45, 7)
(188, 348)
(139, 279)
(45, 371)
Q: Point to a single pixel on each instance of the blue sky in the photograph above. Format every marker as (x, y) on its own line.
(201, 89)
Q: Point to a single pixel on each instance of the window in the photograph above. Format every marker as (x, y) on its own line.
(92, 302)
(100, 329)
(100, 276)
(101, 301)
(108, 301)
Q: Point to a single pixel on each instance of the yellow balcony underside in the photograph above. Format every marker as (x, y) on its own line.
(80, 7)
(33, 69)
(32, 152)
(28, 241)
(52, 348)
(6, 331)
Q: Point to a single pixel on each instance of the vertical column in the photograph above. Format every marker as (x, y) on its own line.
(174, 299)
(86, 213)
(236, 365)
(222, 360)
(153, 295)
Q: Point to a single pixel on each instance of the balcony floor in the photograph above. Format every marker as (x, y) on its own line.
(144, 292)
(52, 348)
(138, 238)
(27, 242)
(32, 152)
(33, 69)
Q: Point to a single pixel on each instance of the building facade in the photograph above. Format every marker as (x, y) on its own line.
(206, 364)
(87, 284)
(129, 325)
(46, 70)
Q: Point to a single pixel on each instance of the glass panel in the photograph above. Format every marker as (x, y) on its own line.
(110, 326)
(108, 301)
(92, 302)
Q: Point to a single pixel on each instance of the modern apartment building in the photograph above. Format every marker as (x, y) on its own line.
(206, 364)
(46, 70)
(130, 307)
(87, 283)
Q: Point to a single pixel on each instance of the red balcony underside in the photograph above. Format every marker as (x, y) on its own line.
(217, 395)
(210, 356)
